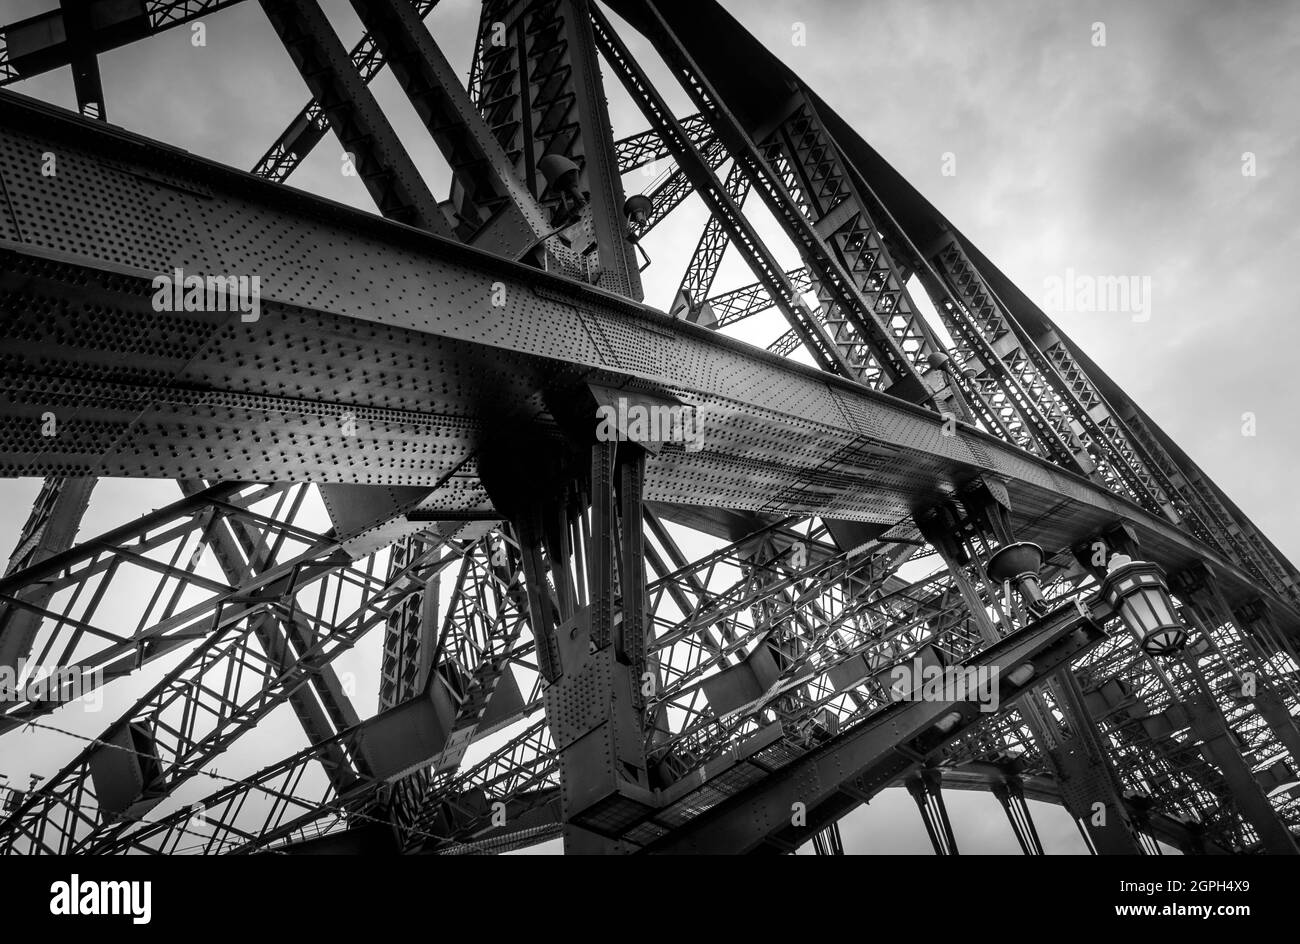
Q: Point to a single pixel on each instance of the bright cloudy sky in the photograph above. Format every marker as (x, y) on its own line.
(1124, 159)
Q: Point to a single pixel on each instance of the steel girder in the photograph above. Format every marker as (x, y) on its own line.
(30, 51)
(237, 671)
(755, 95)
(368, 139)
(785, 439)
(49, 529)
(44, 42)
(32, 46)
(813, 619)
(541, 94)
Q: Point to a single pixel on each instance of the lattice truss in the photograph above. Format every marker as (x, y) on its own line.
(718, 646)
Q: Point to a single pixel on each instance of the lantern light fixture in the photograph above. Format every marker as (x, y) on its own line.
(948, 722)
(1137, 589)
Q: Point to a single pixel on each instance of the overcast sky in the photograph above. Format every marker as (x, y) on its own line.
(1117, 160)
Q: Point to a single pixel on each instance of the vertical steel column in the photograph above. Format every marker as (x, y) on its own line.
(617, 257)
(542, 610)
(589, 619)
(595, 708)
(630, 640)
(1011, 795)
(541, 94)
(81, 55)
(926, 790)
(829, 841)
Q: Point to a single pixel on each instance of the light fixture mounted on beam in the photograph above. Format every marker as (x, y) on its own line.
(1020, 563)
(562, 176)
(1137, 589)
(637, 209)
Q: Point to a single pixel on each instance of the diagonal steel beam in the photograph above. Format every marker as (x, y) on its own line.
(797, 800)
(371, 143)
(701, 176)
(50, 529)
(493, 208)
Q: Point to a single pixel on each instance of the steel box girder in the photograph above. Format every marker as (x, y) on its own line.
(395, 327)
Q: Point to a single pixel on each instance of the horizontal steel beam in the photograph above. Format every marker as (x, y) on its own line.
(40, 43)
(378, 356)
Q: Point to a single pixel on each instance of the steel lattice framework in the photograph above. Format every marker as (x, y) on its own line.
(559, 656)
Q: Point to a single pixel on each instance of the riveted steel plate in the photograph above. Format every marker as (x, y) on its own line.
(386, 356)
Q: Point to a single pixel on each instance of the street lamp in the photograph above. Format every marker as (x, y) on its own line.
(1138, 590)
(638, 208)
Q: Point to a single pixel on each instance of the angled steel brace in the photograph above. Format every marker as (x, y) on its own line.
(492, 207)
(694, 165)
(371, 145)
(891, 364)
(707, 258)
(49, 530)
(323, 710)
(309, 126)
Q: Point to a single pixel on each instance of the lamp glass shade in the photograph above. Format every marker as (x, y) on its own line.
(1138, 590)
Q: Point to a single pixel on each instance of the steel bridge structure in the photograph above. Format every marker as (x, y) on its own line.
(559, 656)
